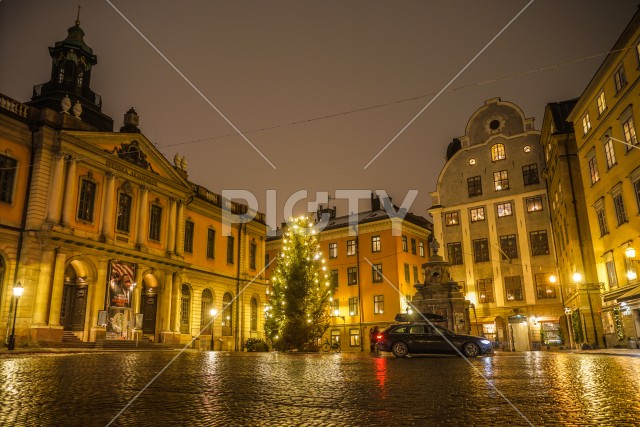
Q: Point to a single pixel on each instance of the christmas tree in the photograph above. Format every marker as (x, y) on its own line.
(302, 290)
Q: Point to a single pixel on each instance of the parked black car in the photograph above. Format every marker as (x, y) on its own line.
(422, 337)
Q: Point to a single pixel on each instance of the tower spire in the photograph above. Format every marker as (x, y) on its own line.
(78, 17)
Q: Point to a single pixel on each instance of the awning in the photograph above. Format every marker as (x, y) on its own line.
(614, 294)
(633, 293)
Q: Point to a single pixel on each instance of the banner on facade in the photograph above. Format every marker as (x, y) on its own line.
(120, 284)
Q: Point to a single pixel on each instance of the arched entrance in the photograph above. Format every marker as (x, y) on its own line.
(74, 297)
(149, 304)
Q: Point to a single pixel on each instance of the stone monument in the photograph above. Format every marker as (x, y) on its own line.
(440, 295)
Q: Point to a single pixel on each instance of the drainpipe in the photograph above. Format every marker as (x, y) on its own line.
(237, 326)
(360, 305)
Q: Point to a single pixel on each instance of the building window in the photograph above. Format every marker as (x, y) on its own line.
(230, 243)
(501, 180)
(211, 243)
(451, 218)
(254, 315)
(611, 274)
(375, 244)
(534, 204)
(60, 75)
(485, 290)
(378, 304)
(620, 79)
(413, 247)
(333, 250)
(497, 152)
(407, 273)
(335, 336)
(629, 131)
(513, 288)
(351, 247)
(354, 337)
(610, 153)
(621, 215)
(586, 124)
(539, 242)
(188, 236)
(334, 278)
(481, 250)
(593, 170)
(416, 279)
(206, 304)
(454, 251)
(87, 199)
(8, 167)
(544, 289)
(602, 221)
(504, 209)
(352, 276)
(509, 247)
(155, 220)
(335, 307)
(353, 306)
(636, 188)
(227, 314)
(266, 260)
(474, 186)
(421, 249)
(602, 103)
(477, 214)
(252, 255)
(405, 246)
(123, 216)
(376, 272)
(530, 174)
(79, 79)
(185, 306)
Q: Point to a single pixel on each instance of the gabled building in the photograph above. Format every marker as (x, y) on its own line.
(605, 118)
(384, 248)
(108, 239)
(490, 214)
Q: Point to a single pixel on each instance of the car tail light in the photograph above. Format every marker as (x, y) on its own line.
(379, 336)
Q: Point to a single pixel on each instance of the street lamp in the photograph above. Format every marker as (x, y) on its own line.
(630, 253)
(213, 312)
(17, 293)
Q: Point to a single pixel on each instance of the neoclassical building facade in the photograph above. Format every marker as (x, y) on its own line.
(108, 238)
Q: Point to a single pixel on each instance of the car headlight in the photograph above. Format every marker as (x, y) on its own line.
(485, 342)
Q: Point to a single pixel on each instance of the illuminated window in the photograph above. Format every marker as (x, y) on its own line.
(629, 133)
(586, 124)
(497, 152)
(501, 180)
(477, 214)
(353, 306)
(352, 276)
(610, 153)
(485, 290)
(421, 248)
(378, 304)
(593, 170)
(375, 244)
(451, 218)
(602, 103)
(544, 289)
(620, 79)
(354, 337)
(333, 250)
(513, 288)
(376, 272)
(534, 204)
(351, 247)
(504, 209)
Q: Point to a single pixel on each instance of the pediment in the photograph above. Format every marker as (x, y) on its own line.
(132, 151)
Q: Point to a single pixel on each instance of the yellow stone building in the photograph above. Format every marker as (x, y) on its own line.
(108, 239)
(364, 299)
(607, 148)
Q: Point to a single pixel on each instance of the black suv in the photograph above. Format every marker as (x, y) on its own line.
(422, 337)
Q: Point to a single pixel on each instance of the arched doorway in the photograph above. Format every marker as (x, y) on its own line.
(149, 304)
(74, 297)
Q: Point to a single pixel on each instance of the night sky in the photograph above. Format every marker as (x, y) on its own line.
(270, 67)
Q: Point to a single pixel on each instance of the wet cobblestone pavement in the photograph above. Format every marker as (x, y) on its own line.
(272, 389)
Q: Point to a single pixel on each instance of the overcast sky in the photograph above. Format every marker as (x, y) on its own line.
(271, 64)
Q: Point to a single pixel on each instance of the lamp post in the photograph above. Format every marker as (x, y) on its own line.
(475, 316)
(577, 278)
(213, 312)
(17, 293)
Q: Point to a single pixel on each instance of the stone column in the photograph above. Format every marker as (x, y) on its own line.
(56, 296)
(176, 301)
(179, 230)
(69, 194)
(55, 192)
(97, 301)
(137, 291)
(171, 234)
(143, 213)
(107, 213)
(165, 308)
(43, 291)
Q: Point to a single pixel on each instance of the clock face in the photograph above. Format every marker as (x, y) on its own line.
(527, 148)
(472, 162)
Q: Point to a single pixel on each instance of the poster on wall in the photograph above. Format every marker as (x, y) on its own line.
(120, 287)
(120, 283)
